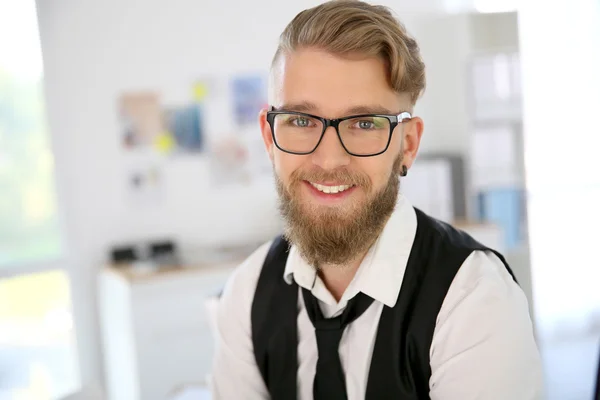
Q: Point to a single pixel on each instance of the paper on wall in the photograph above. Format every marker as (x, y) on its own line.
(141, 119)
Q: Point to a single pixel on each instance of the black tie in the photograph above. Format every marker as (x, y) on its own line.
(329, 383)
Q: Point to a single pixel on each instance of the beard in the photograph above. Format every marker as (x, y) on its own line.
(329, 235)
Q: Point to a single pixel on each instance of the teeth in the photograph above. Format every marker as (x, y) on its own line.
(330, 189)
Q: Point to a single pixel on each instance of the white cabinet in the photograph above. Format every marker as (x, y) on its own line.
(155, 329)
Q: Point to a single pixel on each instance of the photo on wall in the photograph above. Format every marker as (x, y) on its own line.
(185, 125)
(249, 95)
(229, 162)
(141, 120)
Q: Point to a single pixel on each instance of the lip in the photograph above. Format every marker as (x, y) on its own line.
(328, 198)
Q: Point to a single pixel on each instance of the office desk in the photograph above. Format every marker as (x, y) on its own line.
(155, 328)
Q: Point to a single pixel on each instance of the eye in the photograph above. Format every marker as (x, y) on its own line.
(364, 124)
(301, 122)
(369, 123)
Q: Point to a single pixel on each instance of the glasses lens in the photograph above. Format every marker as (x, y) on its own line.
(297, 133)
(365, 135)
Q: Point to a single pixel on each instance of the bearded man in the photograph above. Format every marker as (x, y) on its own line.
(363, 295)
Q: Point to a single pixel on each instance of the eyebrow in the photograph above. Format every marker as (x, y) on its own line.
(308, 107)
(305, 107)
(374, 109)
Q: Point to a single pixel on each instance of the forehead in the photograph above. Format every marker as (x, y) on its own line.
(333, 84)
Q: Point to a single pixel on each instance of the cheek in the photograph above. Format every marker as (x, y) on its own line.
(285, 164)
(378, 169)
(396, 142)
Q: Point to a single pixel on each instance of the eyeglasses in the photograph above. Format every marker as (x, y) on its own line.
(364, 135)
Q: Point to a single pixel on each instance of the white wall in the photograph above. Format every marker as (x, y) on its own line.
(95, 50)
(561, 88)
(494, 31)
(444, 41)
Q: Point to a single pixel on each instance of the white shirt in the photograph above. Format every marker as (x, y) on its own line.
(483, 345)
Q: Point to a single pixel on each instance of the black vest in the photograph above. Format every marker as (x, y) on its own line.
(400, 365)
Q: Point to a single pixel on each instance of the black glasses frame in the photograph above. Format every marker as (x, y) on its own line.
(395, 120)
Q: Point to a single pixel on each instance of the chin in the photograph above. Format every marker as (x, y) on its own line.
(323, 212)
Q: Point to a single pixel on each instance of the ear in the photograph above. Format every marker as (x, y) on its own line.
(413, 131)
(265, 130)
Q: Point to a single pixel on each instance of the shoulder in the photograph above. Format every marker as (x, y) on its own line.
(451, 238)
(485, 268)
(485, 320)
(484, 281)
(484, 292)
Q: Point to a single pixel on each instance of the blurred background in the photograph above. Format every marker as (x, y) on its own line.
(133, 177)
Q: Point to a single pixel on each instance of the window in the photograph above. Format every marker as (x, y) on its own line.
(29, 229)
(37, 342)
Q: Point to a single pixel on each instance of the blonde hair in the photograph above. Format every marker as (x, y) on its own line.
(347, 27)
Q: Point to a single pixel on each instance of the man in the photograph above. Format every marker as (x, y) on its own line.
(364, 296)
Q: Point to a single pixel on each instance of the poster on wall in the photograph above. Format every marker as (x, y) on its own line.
(239, 159)
(249, 94)
(229, 162)
(218, 119)
(147, 124)
(184, 125)
(141, 119)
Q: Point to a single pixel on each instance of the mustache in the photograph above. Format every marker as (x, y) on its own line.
(341, 175)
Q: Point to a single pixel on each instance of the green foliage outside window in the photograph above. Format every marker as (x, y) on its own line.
(29, 229)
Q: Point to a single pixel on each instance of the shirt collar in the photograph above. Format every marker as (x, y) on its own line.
(382, 270)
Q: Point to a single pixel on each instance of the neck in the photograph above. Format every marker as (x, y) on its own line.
(337, 277)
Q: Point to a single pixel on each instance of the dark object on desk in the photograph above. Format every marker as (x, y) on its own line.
(164, 253)
(124, 255)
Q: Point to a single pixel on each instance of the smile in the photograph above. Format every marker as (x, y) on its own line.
(330, 189)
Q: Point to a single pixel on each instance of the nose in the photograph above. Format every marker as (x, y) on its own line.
(330, 153)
